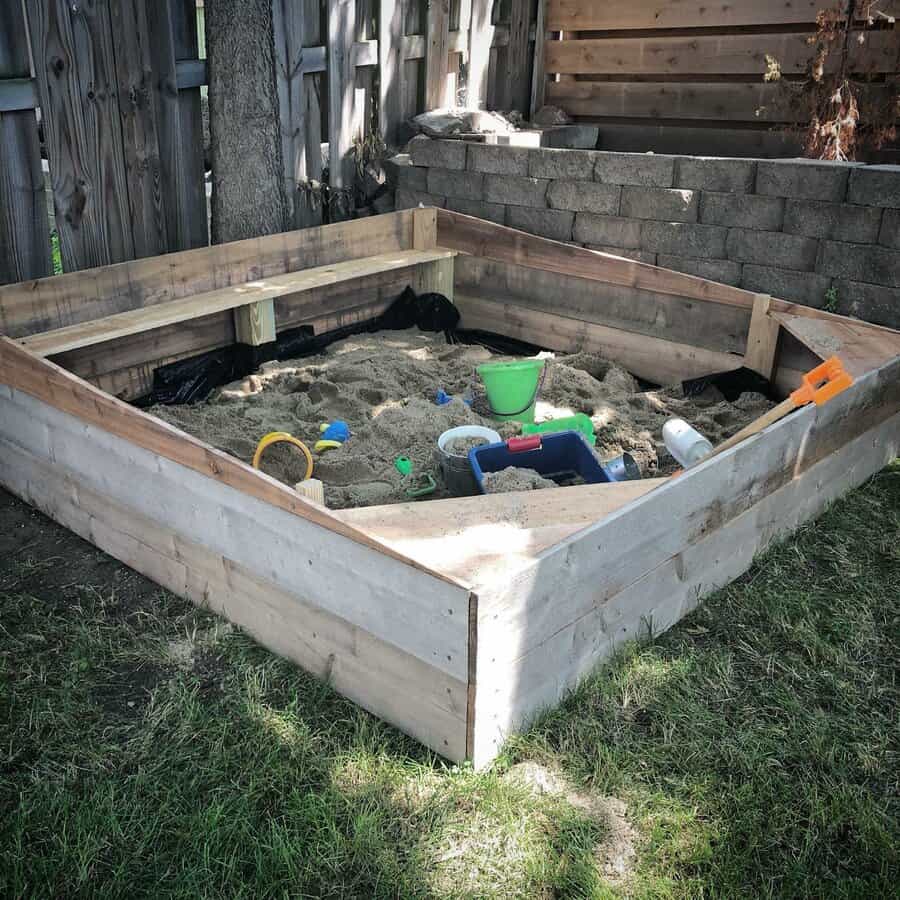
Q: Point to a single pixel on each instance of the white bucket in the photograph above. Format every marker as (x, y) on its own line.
(456, 470)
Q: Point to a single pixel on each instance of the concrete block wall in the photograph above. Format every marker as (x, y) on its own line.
(820, 233)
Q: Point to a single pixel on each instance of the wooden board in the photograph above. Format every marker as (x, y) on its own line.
(656, 360)
(420, 699)
(477, 539)
(860, 349)
(588, 15)
(76, 75)
(251, 293)
(49, 303)
(24, 225)
(762, 340)
(714, 54)
(710, 326)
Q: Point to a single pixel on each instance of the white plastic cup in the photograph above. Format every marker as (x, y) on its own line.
(456, 470)
(685, 443)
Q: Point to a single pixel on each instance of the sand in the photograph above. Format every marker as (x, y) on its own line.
(383, 385)
(513, 478)
(462, 445)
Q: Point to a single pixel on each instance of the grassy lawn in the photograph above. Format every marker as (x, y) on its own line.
(147, 749)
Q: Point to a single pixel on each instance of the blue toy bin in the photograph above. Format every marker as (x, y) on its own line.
(561, 457)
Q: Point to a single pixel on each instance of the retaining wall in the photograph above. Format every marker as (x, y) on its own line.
(820, 233)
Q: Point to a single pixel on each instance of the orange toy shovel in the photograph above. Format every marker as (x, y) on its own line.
(819, 386)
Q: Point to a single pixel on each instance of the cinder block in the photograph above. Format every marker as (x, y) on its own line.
(832, 221)
(413, 178)
(498, 159)
(608, 231)
(405, 199)
(584, 196)
(859, 262)
(684, 239)
(515, 190)
(453, 183)
(890, 229)
(551, 223)
(709, 173)
(394, 165)
(785, 251)
(572, 137)
(875, 186)
(643, 256)
(577, 165)
(786, 284)
(664, 204)
(741, 210)
(494, 212)
(871, 302)
(641, 169)
(803, 179)
(723, 270)
(425, 151)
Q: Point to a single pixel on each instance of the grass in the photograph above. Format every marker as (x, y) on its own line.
(147, 749)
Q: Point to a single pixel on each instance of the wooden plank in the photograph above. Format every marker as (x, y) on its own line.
(586, 15)
(75, 69)
(424, 228)
(24, 226)
(249, 293)
(136, 80)
(712, 54)
(436, 56)
(476, 538)
(481, 36)
(181, 126)
(859, 349)
(340, 97)
(656, 360)
(52, 385)
(538, 69)
(417, 697)
(435, 278)
(45, 304)
(666, 593)
(711, 326)
(254, 324)
(478, 237)
(723, 102)
(17, 93)
(390, 62)
(762, 339)
(515, 83)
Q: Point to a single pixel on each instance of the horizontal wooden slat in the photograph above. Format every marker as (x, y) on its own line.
(137, 320)
(730, 102)
(654, 359)
(714, 54)
(588, 15)
(17, 93)
(190, 73)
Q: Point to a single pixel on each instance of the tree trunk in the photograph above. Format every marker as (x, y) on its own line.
(248, 197)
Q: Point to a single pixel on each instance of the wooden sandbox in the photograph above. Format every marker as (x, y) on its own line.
(442, 617)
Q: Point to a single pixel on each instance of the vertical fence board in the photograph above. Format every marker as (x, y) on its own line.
(516, 83)
(75, 69)
(538, 73)
(138, 115)
(390, 62)
(181, 129)
(437, 53)
(481, 35)
(341, 98)
(24, 228)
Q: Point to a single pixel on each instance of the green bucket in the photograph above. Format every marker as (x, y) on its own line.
(512, 388)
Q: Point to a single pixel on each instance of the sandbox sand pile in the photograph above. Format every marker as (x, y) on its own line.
(383, 385)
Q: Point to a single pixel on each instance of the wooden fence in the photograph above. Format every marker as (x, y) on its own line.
(688, 76)
(108, 93)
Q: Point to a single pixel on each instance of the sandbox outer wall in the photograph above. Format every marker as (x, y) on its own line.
(456, 668)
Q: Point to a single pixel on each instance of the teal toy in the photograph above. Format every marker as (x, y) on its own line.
(403, 464)
(579, 422)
